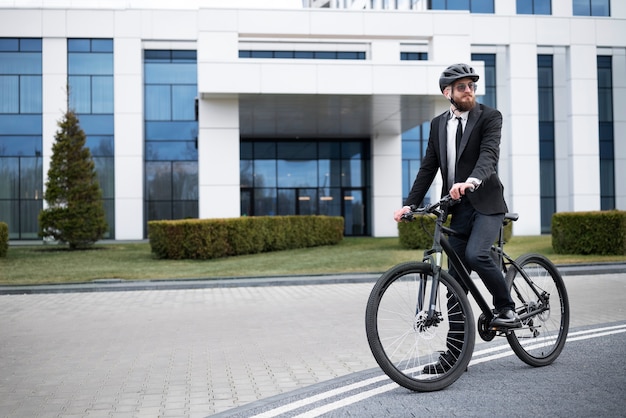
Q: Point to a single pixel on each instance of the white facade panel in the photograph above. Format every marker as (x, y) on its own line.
(92, 23)
(381, 80)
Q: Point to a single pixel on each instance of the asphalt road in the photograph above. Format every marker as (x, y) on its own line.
(202, 351)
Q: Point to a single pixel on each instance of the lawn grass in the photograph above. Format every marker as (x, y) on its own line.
(47, 264)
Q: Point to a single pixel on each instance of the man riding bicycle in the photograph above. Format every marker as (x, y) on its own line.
(464, 144)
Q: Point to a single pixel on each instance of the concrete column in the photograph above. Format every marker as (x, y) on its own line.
(218, 158)
(54, 92)
(523, 139)
(387, 183)
(619, 126)
(129, 139)
(584, 170)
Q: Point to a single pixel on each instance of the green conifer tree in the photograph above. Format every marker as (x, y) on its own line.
(75, 212)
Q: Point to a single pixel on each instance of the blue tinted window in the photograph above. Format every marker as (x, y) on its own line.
(20, 124)
(96, 124)
(91, 63)
(474, 6)
(20, 63)
(33, 45)
(591, 8)
(9, 44)
(101, 45)
(78, 45)
(171, 150)
(170, 73)
(19, 145)
(175, 131)
(537, 7)
(21, 168)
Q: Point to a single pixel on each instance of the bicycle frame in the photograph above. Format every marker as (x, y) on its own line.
(441, 245)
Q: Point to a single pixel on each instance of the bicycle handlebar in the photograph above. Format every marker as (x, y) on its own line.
(445, 202)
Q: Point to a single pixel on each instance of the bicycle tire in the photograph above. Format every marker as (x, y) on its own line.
(542, 337)
(402, 342)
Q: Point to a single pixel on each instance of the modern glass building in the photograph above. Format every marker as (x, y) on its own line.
(205, 109)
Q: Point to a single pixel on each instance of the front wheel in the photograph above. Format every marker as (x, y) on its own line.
(420, 352)
(541, 301)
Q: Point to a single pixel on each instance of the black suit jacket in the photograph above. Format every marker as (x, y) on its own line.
(477, 157)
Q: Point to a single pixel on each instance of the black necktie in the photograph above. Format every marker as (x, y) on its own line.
(459, 134)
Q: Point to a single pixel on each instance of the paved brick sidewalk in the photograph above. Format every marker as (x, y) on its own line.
(197, 352)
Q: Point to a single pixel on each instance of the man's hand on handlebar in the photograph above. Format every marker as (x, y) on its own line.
(459, 189)
(397, 215)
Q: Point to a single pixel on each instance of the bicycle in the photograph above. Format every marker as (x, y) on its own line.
(410, 307)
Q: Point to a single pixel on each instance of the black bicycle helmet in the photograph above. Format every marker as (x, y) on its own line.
(456, 72)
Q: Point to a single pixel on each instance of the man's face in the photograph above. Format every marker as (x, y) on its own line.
(464, 97)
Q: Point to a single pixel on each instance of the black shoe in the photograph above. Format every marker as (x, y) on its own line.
(506, 319)
(445, 363)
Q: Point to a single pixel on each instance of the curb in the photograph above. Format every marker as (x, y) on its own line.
(121, 285)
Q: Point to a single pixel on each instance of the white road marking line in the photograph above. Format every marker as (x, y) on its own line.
(574, 336)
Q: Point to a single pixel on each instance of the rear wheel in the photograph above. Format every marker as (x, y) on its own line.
(537, 286)
(405, 342)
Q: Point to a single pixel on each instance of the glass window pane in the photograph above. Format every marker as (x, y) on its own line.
(458, 5)
(264, 202)
(80, 93)
(78, 45)
(14, 146)
(185, 209)
(330, 202)
(102, 45)
(600, 8)
(246, 173)
(543, 7)
(30, 94)
(158, 103)
(9, 44)
(171, 151)
(329, 173)
(482, 6)
(21, 124)
(30, 44)
(265, 173)
(102, 92)
(96, 124)
(172, 131)
(524, 7)
(20, 63)
(297, 173)
(351, 173)
(296, 150)
(9, 178)
(9, 91)
(286, 202)
(31, 185)
(183, 102)
(159, 210)
(159, 181)
(105, 170)
(100, 145)
(168, 73)
(185, 180)
(90, 64)
(581, 8)
(264, 150)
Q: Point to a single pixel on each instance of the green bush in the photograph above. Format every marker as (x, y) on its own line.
(597, 232)
(419, 233)
(4, 239)
(205, 239)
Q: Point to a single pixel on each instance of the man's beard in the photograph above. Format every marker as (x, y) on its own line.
(466, 105)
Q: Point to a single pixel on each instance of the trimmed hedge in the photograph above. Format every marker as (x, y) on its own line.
(419, 233)
(596, 232)
(204, 239)
(4, 239)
